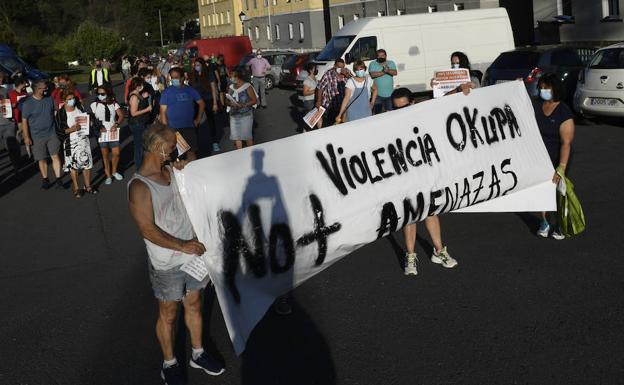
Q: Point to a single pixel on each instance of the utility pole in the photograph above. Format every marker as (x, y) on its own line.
(162, 44)
(270, 25)
(387, 9)
(327, 20)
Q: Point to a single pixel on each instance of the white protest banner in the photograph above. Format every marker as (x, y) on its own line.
(448, 80)
(275, 214)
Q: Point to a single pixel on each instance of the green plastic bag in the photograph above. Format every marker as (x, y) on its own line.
(569, 210)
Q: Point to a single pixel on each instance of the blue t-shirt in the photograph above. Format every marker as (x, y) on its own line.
(385, 83)
(180, 102)
(40, 117)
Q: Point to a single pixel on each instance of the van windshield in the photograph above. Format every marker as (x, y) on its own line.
(335, 48)
(608, 59)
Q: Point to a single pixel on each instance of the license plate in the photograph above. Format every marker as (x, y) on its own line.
(604, 102)
(502, 81)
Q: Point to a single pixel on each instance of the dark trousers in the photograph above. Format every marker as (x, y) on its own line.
(137, 137)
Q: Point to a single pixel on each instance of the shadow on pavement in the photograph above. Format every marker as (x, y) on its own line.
(287, 350)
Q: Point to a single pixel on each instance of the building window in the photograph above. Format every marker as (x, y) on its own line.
(356, 16)
(257, 33)
(291, 34)
(202, 2)
(277, 32)
(301, 31)
(255, 4)
(249, 32)
(228, 17)
(340, 21)
(274, 2)
(432, 8)
(610, 8)
(247, 5)
(214, 19)
(209, 21)
(268, 30)
(458, 6)
(266, 3)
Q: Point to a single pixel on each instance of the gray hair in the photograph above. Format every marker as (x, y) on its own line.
(39, 82)
(154, 136)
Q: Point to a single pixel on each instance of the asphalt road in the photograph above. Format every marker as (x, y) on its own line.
(77, 306)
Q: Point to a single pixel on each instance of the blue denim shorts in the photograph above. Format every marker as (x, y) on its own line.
(109, 144)
(173, 284)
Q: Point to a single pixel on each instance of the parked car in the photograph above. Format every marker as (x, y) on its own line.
(600, 89)
(276, 59)
(529, 63)
(12, 65)
(293, 67)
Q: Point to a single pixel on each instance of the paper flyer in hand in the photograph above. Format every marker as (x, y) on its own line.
(109, 136)
(181, 144)
(312, 117)
(196, 268)
(83, 121)
(447, 80)
(5, 108)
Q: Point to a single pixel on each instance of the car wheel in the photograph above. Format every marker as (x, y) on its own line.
(269, 83)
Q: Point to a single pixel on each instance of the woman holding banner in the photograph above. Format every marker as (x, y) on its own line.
(76, 145)
(556, 124)
(360, 95)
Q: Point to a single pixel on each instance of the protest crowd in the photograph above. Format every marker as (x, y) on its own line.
(174, 110)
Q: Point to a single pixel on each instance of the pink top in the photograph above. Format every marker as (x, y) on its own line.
(259, 67)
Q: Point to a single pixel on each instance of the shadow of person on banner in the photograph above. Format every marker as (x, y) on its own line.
(286, 347)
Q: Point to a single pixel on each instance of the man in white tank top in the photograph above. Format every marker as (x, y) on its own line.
(157, 208)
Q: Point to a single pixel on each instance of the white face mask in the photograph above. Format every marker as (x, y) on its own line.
(338, 70)
(455, 65)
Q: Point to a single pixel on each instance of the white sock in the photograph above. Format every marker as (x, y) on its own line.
(197, 352)
(169, 363)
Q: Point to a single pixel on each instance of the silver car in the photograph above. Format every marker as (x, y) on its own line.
(600, 89)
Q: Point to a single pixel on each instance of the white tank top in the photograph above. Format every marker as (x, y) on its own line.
(171, 216)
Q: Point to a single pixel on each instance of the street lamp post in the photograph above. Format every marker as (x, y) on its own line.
(242, 18)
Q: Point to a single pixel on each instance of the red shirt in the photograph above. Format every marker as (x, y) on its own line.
(56, 95)
(15, 97)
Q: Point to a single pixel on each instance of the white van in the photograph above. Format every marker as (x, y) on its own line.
(422, 43)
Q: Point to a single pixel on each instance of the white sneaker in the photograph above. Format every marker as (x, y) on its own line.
(443, 258)
(108, 181)
(118, 176)
(543, 230)
(410, 264)
(557, 235)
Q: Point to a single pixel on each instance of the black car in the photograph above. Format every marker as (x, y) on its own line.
(530, 63)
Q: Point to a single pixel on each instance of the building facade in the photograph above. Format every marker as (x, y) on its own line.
(566, 21)
(301, 24)
(219, 18)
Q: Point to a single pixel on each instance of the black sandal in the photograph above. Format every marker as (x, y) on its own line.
(90, 190)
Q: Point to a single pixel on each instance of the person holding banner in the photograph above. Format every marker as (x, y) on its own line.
(76, 145)
(241, 98)
(360, 95)
(556, 124)
(460, 60)
(157, 208)
(109, 113)
(401, 98)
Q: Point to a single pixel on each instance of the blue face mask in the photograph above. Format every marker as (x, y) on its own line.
(360, 73)
(101, 97)
(175, 82)
(71, 102)
(546, 94)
